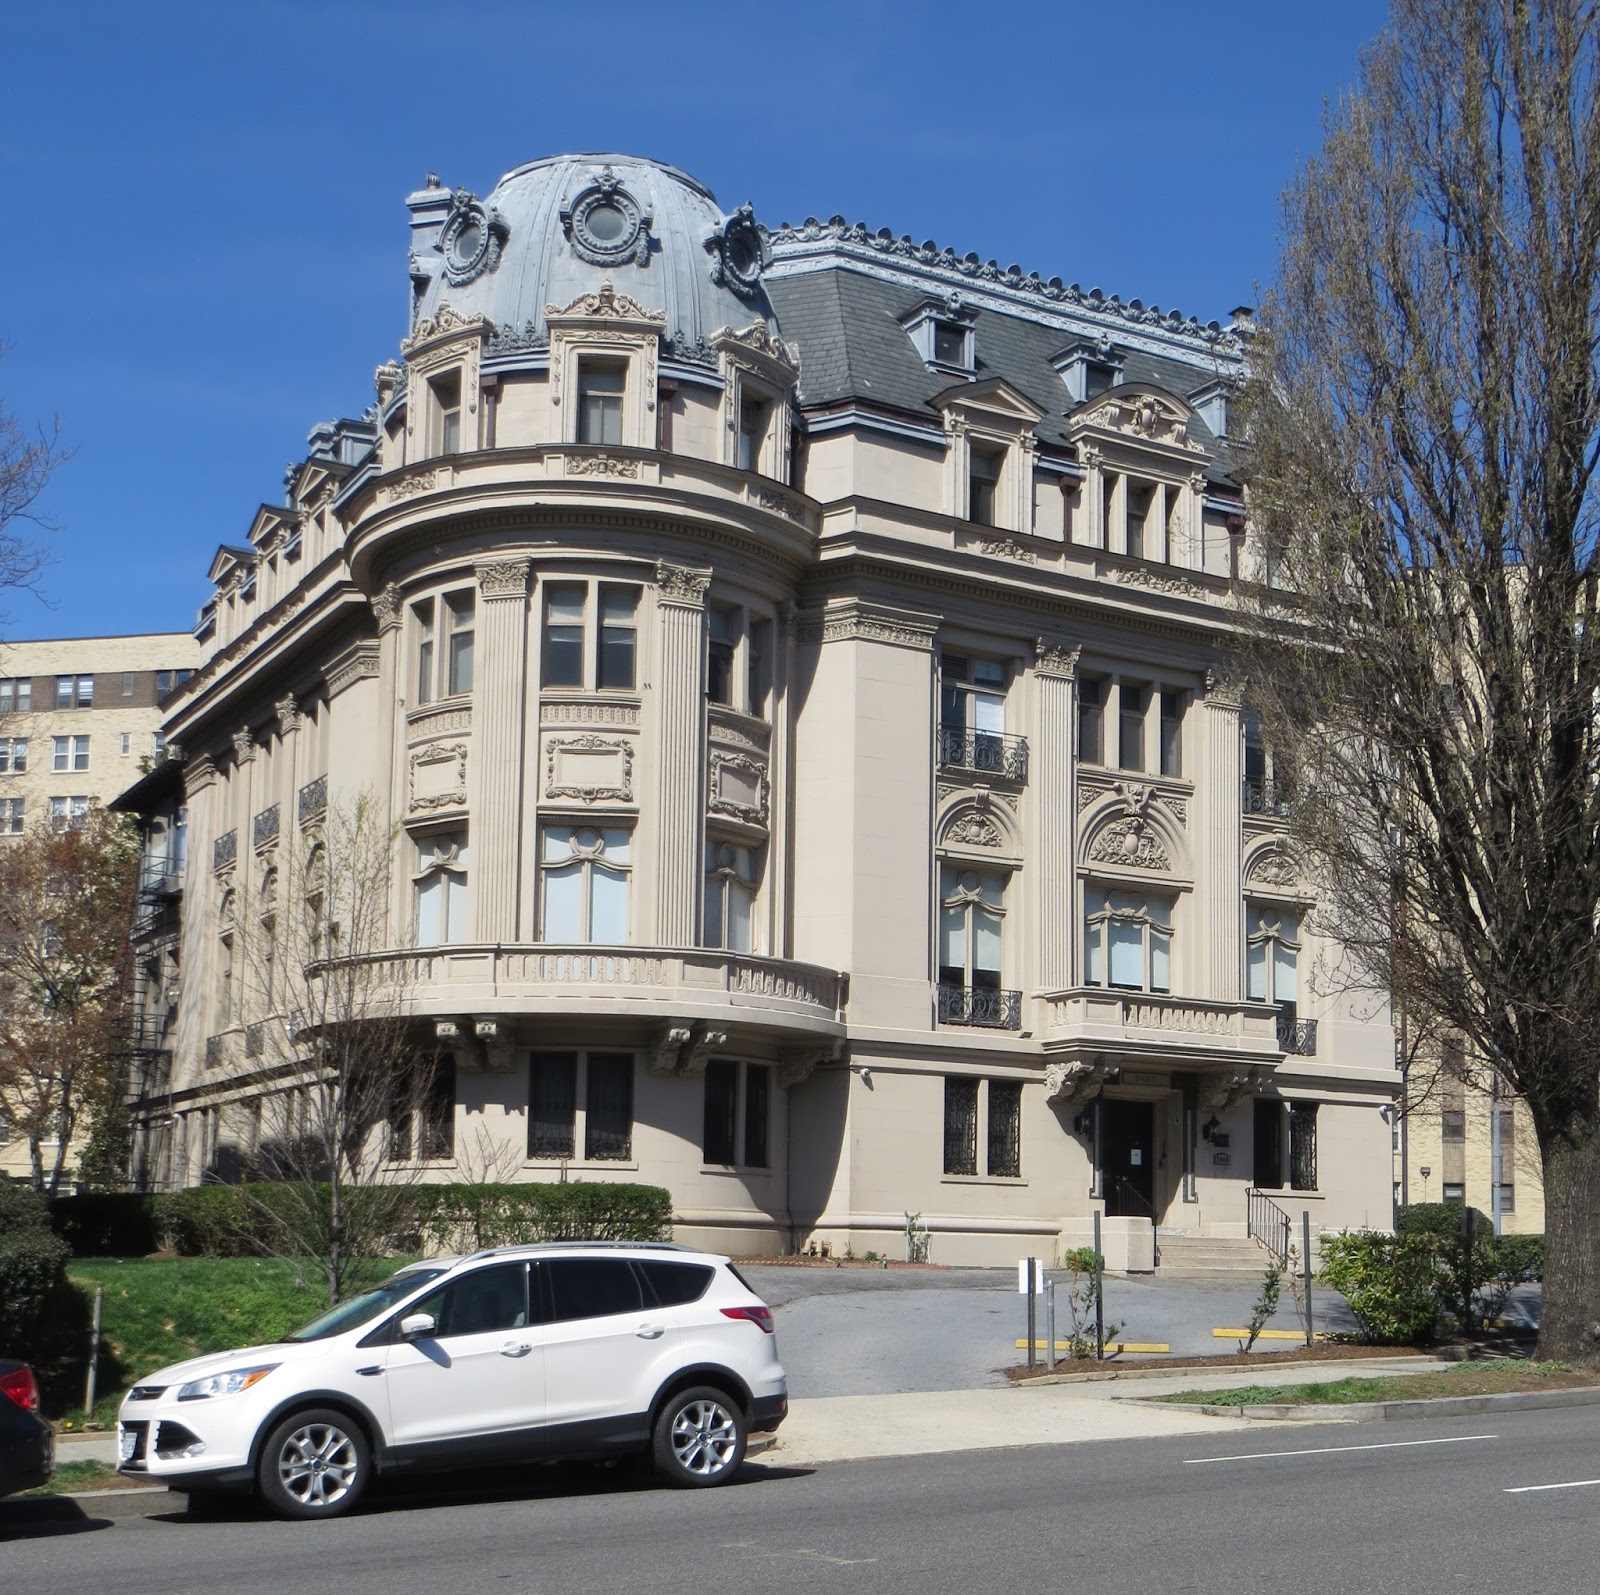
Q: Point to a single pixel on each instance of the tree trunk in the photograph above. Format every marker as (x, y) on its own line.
(1569, 1326)
(36, 1158)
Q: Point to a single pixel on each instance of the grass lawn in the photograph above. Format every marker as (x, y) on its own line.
(70, 1477)
(159, 1310)
(1499, 1376)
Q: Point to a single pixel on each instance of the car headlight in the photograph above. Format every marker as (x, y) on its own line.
(225, 1384)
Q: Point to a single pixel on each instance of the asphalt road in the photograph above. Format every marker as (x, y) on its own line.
(1407, 1508)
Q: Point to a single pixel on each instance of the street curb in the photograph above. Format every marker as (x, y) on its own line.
(1398, 1411)
(1168, 1371)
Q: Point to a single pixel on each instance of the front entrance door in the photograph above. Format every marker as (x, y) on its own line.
(1127, 1158)
(1269, 1144)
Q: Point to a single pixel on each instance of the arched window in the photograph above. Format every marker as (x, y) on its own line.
(1127, 940)
(584, 873)
(1272, 957)
(971, 914)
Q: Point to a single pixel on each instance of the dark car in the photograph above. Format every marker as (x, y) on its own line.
(27, 1445)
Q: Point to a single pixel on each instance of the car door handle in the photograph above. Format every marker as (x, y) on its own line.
(650, 1331)
(515, 1351)
(375, 1368)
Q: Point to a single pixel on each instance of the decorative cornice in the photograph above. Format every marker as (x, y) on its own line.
(677, 584)
(506, 578)
(606, 305)
(447, 323)
(600, 465)
(358, 663)
(1273, 865)
(860, 620)
(758, 339)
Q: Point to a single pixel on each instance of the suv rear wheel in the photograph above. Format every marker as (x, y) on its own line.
(314, 1464)
(699, 1438)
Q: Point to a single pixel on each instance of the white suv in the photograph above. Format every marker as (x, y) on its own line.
(526, 1352)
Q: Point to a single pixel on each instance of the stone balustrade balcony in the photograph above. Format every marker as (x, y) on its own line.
(1091, 1021)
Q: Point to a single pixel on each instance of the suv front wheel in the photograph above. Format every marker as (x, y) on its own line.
(314, 1464)
(699, 1438)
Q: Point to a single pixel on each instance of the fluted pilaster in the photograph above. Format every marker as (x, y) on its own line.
(499, 718)
(680, 599)
(1222, 840)
(1054, 779)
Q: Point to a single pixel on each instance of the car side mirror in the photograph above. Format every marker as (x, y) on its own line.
(417, 1326)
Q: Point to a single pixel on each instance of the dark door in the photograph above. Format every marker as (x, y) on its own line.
(1269, 1144)
(1127, 1158)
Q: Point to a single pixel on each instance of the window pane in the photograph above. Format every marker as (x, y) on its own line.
(1256, 972)
(675, 1284)
(1094, 963)
(714, 929)
(722, 1086)
(608, 1106)
(608, 917)
(617, 637)
(430, 896)
(591, 1287)
(1130, 753)
(1160, 962)
(563, 637)
(960, 1126)
(552, 1097)
(1005, 1129)
(461, 656)
(562, 919)
(456, 928)
(489, 1301)
(953, 945)
(739, 901)
(1127, 954)
(1287, 985)
(985, 941)
(757, 1110)
(615, 841)
(439, 1111)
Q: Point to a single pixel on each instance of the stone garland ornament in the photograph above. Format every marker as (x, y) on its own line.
(606, 225)
(1131, 843)
(472, 239)
(739, 253)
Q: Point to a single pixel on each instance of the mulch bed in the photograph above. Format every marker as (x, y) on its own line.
(1323, 1351)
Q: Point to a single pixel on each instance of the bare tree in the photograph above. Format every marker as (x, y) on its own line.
(66, 902)
(1424, 419)
(345, 1105)
(27, 462)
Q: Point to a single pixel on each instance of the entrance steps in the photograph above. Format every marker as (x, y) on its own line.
(1180, 1255)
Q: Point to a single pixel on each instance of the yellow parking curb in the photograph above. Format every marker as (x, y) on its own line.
(1131, 1346)
(1265, 1334)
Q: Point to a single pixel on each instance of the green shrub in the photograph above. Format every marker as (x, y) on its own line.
(1521, 1257)
(43, 1320)
(1472, 1289)
(1442, 1219)
(107, 1224)
(1392, 1283)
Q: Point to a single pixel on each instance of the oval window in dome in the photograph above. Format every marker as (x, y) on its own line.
(468, 241)
(606, 223)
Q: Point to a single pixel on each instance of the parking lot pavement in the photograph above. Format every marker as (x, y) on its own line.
(865, 1331)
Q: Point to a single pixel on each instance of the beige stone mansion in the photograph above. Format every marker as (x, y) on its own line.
(791, 659)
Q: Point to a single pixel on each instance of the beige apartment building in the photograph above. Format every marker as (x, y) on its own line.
(794, 661)
(80, 717)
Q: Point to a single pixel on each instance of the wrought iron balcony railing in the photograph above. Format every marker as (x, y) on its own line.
(1298, 1036)
(265, 827)
(313, 799)
(981, 1006)
(225, 850)
(986, 752)
(1267, 797)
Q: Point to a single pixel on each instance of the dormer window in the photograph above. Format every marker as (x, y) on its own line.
(944, 333)
(1089, 369)
(1211, 405)
(601, 386)
(987, 463)
(753, 418)
(446, 392)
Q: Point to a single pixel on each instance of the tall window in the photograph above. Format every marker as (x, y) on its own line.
(619, 630)
(722, 634)
(459, 610)
(127, 683)
(168, 680)
(563, 635)
(1303, 1146)
(16, 694)
(731, 878)
(71, 753)
(68, 813)
(971, 910)
(446, 392)
(421, 1116)
(1272, 957)
(1130, 722)
(1136, 514)
(1127, 941)
(601, 384)
(960, 1126)
(972, 694)
(13, 755)
(1091, 720)
(441, 890)
(74, 692)
(11, 816)
(1171, 733)
(753, 414)
(573, 656)
(757, 671)
(427, 650)
(584, 873)
(608, 1107)
(450, 674)
(738, 1111)
(552, 1104)
(738, 665)
(985, 463)
(600, 1085)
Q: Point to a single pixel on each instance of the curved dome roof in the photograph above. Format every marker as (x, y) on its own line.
(557, 228)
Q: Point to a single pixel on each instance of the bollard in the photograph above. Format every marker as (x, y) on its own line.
(1099, 1293)
(1305, 1231)
(1050, 1327)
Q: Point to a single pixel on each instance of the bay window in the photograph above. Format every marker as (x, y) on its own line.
(440, 889)
(1127, 941)
(607, 660)
(583, 890)
(445, 674)
(738, 658)
(732, 874)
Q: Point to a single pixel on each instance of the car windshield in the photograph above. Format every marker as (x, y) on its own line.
(363, 1309)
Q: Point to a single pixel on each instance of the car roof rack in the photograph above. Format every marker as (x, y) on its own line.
(587, 1246)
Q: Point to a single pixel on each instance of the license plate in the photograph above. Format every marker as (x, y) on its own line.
(127, 1444)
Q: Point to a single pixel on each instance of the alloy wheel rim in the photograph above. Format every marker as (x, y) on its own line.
(704, 1438)
(317, 1465)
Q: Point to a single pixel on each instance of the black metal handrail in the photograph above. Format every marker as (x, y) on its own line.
(264, 828)
(225, 849)
(1267, 797)
(1266, 1222)
(982, 1006)
(1131, 1201)
(1298, 1036)
(313, 799)
(985, 752)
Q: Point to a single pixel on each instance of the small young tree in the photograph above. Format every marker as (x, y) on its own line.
(346, 1105)
(66, 906)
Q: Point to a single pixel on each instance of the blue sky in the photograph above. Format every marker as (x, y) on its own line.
(208, 240)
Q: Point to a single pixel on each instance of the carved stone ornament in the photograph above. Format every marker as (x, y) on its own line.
(1163, 581)
(800, 1063)
(358, 663)
(411, 484)
(445, 323)
(1225, 1089)
(1008, 548)
(1131, 844)
(1225, 689)
(386, 607)
(287, 710)
(472, 239)
(1275, 866)
(494, 1036)
(593, 769)
(600, 465)
(739, 253)
(606, 225)
(974, 830)
(606, 305)
(739, 787)
(676, 584)
(1055, 659)
(1078, 1081)
(506, 578)
(758, 339)
(439, 777)
(244, 746)
(855, 620)
(693, 1061)
(664, 1055)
